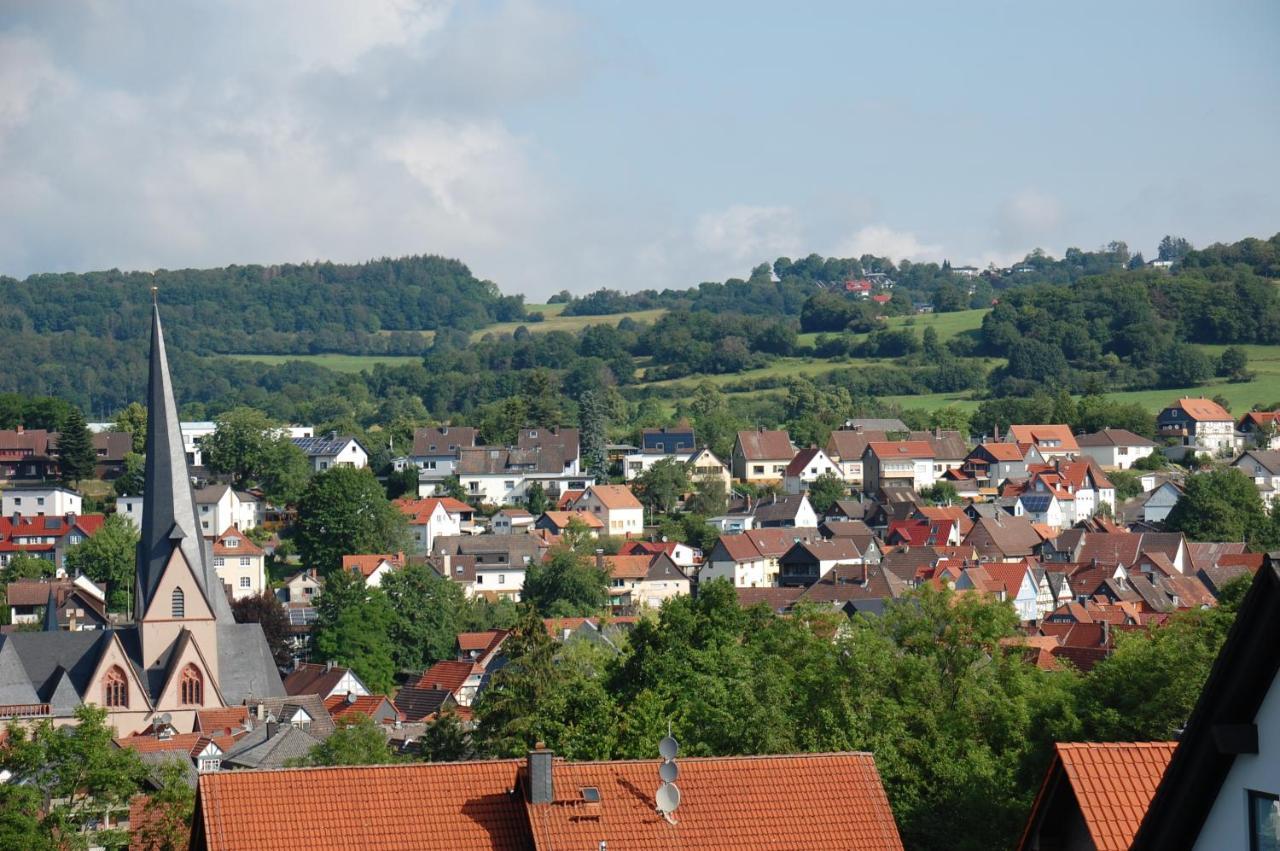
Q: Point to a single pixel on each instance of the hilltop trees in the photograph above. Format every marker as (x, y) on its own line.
(345, 511)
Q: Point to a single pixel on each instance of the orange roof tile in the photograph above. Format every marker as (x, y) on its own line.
(1113, 784)
(217, 720)
(419, 511)
(728, 804)
(561, 519)
(243, 547)
(628, 567)
(615, 496)
(1203, 410)
(448, 675)
(367, 564)
(365, 704)
(461, 806)
(1056, 433)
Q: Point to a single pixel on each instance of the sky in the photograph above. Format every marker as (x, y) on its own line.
(576, 144)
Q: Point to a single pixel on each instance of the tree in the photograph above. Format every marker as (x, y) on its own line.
(133, 481)
(1128, 484)
(357, 740)
(428, 615)
(108, 557)
(826, 489)
(167, 816)
(542, 399)
(566, 584)
(254, 450)
(535, 499)
(1185, 365)
(593, 422)
(403, 483)
(344, 511)
(77, 773)
(709, 498)
(445, 740)
(1220, 505)
(452, 487)
(76, 455)
(353, 627)
(941, 493)
(26, 567)
(1173, 248)
(660, 487)
(1233, 362)
(267, 611)
(133, 419)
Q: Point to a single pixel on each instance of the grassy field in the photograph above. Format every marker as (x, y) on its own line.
(338, 363)
(947, 325)
(556, 322)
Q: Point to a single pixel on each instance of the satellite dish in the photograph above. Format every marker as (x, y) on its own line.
(668, 747)
(166, 718)
(668, 771)
(668, 798)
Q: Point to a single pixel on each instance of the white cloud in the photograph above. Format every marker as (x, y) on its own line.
(1027, 219)
(745, 234)
(883, 241)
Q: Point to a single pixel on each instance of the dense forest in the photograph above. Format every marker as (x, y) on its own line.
(1090, 322)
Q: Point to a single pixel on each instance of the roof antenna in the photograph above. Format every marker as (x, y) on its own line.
(668, 795)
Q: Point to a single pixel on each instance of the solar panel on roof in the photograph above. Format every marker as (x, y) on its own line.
(1036, 503)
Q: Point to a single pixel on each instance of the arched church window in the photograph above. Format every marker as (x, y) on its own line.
(116, 687)
(191, 686)
(178, 603)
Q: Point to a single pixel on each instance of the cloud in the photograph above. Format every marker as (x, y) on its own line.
(883, 241)
(1027, 219)
(744, 234)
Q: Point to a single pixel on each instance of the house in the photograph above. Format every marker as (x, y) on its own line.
(845, 447)
(240, 564)
(28, 454)
(333, 450)
(184, 652)
(616, 506)
(668, 441)
(111, 447)
(433, 516)
(1262, 466)
(923, 532)
(373, 568)
(40, 501)
(806, 467)
(48, 538)
(511, 521)
(1002, 537)
(761, 456)
(199, 751)
(77, 604)
(1261, 429)
(996, 462)
(1011, 582)
(1053, 441)
(489, 566)
(461, 680)
(558, 522)
(1157, 503)
(704, 466)
(193, 436)
(642, 581)
(1222, 784)
(543, 803)
(502, 476)
(303, 587)
(1199, 424)
(1077, 546)
(909, 463)
(784, 512)
(376, 707)
(1115, 448)
(562, 443)
(435, 453)
(807, 561)
(325, 680)
(217, 507)
(682, 554)
(751, 559)
(1095, 794)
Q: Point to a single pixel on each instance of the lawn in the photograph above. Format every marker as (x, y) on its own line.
(338, 363)
(556, 322)
(947, 325)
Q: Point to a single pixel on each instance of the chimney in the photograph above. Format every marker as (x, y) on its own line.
(542, 789)
(1106, 633)
(260, 711)
(20, 429)
(599, 558)
(328, 665)
(273, 727)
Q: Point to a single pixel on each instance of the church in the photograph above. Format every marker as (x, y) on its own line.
(185, 652)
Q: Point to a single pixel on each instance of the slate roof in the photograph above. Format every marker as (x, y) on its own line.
(759, 445)
(779, 509)
(1113, 783)
(1115, 437)
(418, 702)
(1268, 459)
(442, 440)
(259, 748)
(283, 708)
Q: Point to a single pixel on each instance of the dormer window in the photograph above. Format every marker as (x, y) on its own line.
(232, 542)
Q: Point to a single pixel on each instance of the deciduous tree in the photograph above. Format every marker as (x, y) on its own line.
(344, 511)
(108, 557)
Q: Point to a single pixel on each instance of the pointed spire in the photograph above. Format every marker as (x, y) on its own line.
(169, 516)
(51, 610)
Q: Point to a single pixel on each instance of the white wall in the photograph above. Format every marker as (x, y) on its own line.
(1228, 823)
(46, 502)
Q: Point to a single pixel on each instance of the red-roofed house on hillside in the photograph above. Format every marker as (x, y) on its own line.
(805, 469)
(762, 456)
(1261, 429)
(751, 559)
(325, 680)
(897, 462)
(923, 532)
(1201, 424)
(374, 706)
(682, 554)
(542, 804)
(462, 679)
(616, 506)
(1012, 582)
(1095, 795)
(1053, 440)
(240, 564)
(643, 581)
(373, 567)
(48, 537)
(434, 516)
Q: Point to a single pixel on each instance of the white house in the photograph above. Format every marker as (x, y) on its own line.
(751, 559)
(193, 435)
(1043, 508)
(892, 462)
(1263, 467)
(240, 564)
(332, 450)
(498, 476)
(511, 521)
(616, 506)
(217, 506)
(51, 501)
(704, 466)
(1200, 424)
(432, 517)
(804, 469)
(435, 453)
(1158, 502)
(373, 568)
(1012, 582)
(1115, 448)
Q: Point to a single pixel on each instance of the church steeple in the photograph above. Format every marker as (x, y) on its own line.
(169, 516)
(51, 612)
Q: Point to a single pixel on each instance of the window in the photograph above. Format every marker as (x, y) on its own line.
(17, 500)
(116, 688)
(479, 579)
(231, 542)
(758, 469)
(502, 579)
(245, 582)
(244, 561)
(212, 763)
(219, 561)
(191, 687)
(39, 500)
(1264, 821)
(178, 604)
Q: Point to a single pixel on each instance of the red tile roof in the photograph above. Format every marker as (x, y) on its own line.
(419, 511)
(365, 704)
(561, 519)
(367, 564)
(628, 567)
(447, 675)
(243, 547)
(727, 804)
(459, 806)
(218, 720)
(1060, 435)
(1113, 784)
(614, 497)
(1203, 410)
(901, 448)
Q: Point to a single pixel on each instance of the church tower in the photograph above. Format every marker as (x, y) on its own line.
(177, 592)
